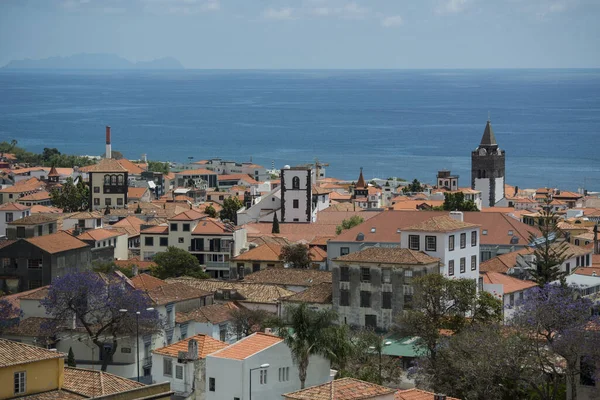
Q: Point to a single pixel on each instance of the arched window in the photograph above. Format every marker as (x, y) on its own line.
(113, 180)
(107, 179)
(295, 183)
(120, 180)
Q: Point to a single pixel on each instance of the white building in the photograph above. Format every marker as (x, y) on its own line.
(296, 194)
(510, 291)
(10, 212)
(449, 238)
(259, 366)
(214, 320)
(83, 220)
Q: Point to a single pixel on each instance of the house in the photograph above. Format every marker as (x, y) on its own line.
(343, 389)
(259, 366)
(446, 180)
(20, 189)
(214, 320)
(32, 226)
(296, 280)
(35, 261)
(36, 373)
(256, 259)
(82, 220)
(183, 365)
(133, 226)
(371, 286)
(511, 291)
(201, 178)
(138, 195)
(10, 212)
(39, 198)
(108, 182)
(103, 238)
(228, 181)
(317, 297)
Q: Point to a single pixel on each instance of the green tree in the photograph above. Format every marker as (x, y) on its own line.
(49, 153)
(245, 321)
(177, 262)
(550, 250)
(296, 255)
(456, 202)
(158, 166)
(230, 207)
(307, 332)
(349, 223)
(72, 197)
(210, 211)
(275, 228)
(414, 187)
(71, 358)
(108, 267)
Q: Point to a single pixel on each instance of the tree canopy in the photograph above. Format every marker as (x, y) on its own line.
(210, 211)
(230, 207)
(175, 262)
(349, 223)
(158, 166)
(296, 255)
(49, 156)
(275, 228)
(413, 187)
(71, 197)
(456, 202)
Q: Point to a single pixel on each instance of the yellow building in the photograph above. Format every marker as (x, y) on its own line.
(33, 373)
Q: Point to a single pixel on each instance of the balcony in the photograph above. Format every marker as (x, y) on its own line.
(111, 189)
(222, 265)
(146, 361)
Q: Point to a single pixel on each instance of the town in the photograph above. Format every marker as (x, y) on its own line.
(219, 279)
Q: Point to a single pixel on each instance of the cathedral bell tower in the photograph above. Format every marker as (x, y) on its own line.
(487, 168)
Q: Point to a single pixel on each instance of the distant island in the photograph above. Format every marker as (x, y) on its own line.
(93, 61)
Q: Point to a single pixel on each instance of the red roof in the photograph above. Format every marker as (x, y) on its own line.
(248, 346)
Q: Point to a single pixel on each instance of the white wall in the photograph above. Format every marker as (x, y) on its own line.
(499, 189)
(483, 185)
(15, 214)
(262, 211)
(300, 194)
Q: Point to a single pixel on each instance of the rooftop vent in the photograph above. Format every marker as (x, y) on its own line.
(510, 233)
(360, 237)
(372, 230)
(514, 240)
(398, 230)
(593, 273)
(484, 232)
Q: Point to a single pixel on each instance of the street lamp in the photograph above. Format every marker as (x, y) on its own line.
(379, 349)
(262, 366)
(137, 336)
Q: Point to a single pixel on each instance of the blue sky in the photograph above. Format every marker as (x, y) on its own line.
(310, 33)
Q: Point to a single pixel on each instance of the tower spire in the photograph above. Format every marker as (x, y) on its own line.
(361, 180)
(488, 138)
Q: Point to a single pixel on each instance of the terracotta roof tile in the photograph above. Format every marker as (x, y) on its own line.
(36, 196)
(135, 193)
(210, 226)
(130, 222)
(248, 346)
(15, 298)
(189, 215)
(54, 395)
(24, 186)
(317, 254)
(243, 177)
(320, 293)
(104, 165)
(14, 353)
(130, 167)
(504, 262)
(142, 265)
(158, 229)
(264, 252)
(206, 346)
(93, 383)
(99, 234)
(417, 394)
(289, 277)
(174, 292)
(589, 271)
(342, 389)
(35, 219)
(214, 313)
(32, 327)
(388, 255)
(56, 242)
(200, 171)
(146, 282)
(13, 207)
(509, 283)
(443, 223)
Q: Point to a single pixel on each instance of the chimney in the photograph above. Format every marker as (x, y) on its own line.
(108, 146)
(457, 215)
(516, 190)
(596, 245)
(192, 349)
(134, 269)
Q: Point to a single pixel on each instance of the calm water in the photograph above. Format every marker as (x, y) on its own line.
(393, 123)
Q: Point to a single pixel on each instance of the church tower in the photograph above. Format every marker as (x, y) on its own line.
(487, 168)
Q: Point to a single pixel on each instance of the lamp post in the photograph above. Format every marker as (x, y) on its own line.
(262, 366)
(379, 349)
(137, 336)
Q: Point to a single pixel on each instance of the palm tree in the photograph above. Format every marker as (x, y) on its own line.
(308, 332)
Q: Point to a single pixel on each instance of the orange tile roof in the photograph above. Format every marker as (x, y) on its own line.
(504, 262)
(388, 255)
(15, 298)
(200, 171)
(498, 209)
(174, 292)
(13, 207)
(130, 222)
(34, 219)
(136, 193)
(509, 283)
(189, 215)
(264, 252)
(417, 394)
(130, 167)
(39, 209)
(443, 223)
(317, 254)
(158, 229)
(244, 177)
(104, 165)
(289, 277)
(24, 186)
(211, 226)
(206, 346)
(594, 270)
(342, 389)
(248, 346)
(94, 383)
(99, 234)
(214, 313)
(16, 353)
(320, 293)
(56, 242)
(146, 282)
(415, 204)
(142, 265)
(250, 292)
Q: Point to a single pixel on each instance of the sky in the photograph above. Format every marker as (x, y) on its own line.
(299, 34)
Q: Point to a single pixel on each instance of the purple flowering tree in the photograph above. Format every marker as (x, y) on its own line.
(91, 301)
(9, 314)
(561, 332)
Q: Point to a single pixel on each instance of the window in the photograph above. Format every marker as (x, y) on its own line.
(386, 275)
(365, 299)
(186, 227)
(107, 201)
(463, 240)
(179, 240)
(96, 201)
(167, 366)
(430, 243)
(371, 321)
(120, 201)
(295, 183)
(255, 267)
(163, 241)
(173, 227)
(365, 275)
(296, 203)
(344, 251)
(387, 300)
(211, 384)
(587, 260)
(34, 284)
(344, 297)
(473, 263)
(568, 268)
(451, 267)
(451, 242)
(413, 242)
(20, 380)
(463, 261)
(50, 228)
(20, 231)
(263, 376)
(344, 274)
(98, 222)
(284, 374)
(223, 331)
(9, 217)
(96, 189)
(149, 241)
(179, 372)
(40, 230)
(512, 299)
(35, 263)
(408, 274)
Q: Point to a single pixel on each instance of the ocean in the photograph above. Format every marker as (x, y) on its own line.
(407, 124)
